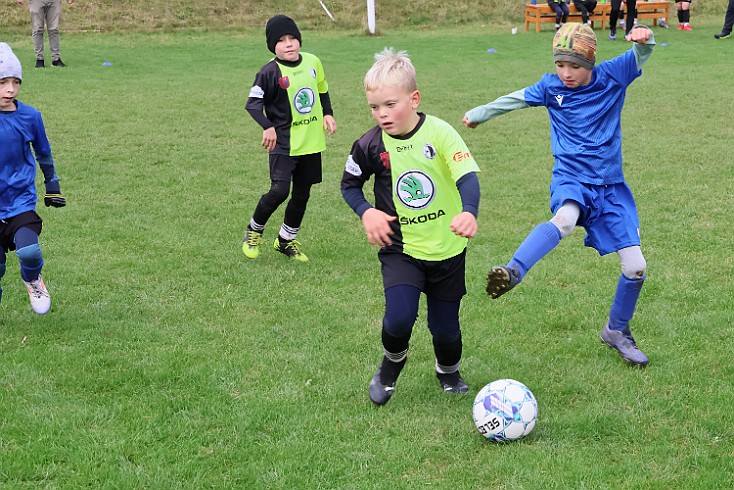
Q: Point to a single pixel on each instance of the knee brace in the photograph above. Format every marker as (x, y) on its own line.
(632, 262)
(31, 261)
(566, 218)
(30, 255)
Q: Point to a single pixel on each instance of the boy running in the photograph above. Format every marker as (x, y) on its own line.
(426, 200)
(290, 101)
(21, 128)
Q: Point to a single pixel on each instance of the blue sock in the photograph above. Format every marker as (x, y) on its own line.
(536, 245)
(625, 301)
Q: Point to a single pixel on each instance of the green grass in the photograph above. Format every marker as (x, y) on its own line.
(170, 361)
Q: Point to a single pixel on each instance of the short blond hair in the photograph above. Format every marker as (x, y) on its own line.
(391, 68)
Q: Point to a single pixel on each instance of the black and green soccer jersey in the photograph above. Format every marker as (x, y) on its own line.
(294, 98)
(415, 178)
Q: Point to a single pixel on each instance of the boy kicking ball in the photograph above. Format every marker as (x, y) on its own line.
(588, 188)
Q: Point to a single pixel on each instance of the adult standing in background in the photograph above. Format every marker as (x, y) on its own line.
(46, 13)
(728, 22)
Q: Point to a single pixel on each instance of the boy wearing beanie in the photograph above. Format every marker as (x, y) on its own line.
(290, 101)
(21, 127)
(588, 187)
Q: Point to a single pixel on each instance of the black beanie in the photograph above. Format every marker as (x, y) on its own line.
(279, 26)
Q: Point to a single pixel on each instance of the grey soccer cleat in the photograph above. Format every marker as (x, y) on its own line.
(625, 344)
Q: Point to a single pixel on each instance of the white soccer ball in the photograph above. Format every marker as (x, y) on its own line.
(505, 410)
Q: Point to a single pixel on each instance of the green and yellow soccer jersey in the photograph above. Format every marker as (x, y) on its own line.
(415, 180)
(289, 95)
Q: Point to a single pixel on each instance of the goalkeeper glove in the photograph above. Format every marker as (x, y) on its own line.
(56, 200)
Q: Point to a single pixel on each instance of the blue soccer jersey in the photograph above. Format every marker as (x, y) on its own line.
(586, 135)
(19, 131)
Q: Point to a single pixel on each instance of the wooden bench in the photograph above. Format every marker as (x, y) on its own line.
(654, 11)
(541, 13)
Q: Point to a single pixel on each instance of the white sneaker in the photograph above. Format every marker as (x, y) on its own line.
(40, 299)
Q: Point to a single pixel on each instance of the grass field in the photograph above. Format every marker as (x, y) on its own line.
(169, 361)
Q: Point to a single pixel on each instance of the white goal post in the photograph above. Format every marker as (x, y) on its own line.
(371, 16)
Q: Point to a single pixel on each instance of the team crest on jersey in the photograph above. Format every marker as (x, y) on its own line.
(415, 189)
(429, 151)
(313, 73)
(284, 83)
(385, 158)
(304, 100)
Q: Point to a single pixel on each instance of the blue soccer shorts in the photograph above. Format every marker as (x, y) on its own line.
(608, 213)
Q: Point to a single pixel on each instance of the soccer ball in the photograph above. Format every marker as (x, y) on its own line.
(505, 410)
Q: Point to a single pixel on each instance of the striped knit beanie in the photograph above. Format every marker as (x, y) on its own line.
(575, 43)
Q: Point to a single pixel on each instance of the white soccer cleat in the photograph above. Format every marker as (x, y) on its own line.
(40, 299)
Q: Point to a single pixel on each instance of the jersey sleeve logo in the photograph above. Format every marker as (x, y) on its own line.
(284, 83)
(414, 189)
(460, 156)
(352, 167)
(304, 100)
(257, 92)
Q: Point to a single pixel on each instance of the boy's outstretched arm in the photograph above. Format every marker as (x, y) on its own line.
(499, 106)
(644, 40)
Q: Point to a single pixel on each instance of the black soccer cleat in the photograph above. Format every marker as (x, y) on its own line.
(452, 383)
(501, 279)
(383, 382)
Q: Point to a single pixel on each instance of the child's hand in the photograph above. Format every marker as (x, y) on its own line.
(269, 139)
(56, 200)
(469, 124)
(377, 225)
(464, 224)
(638, 35)
(330, 124)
